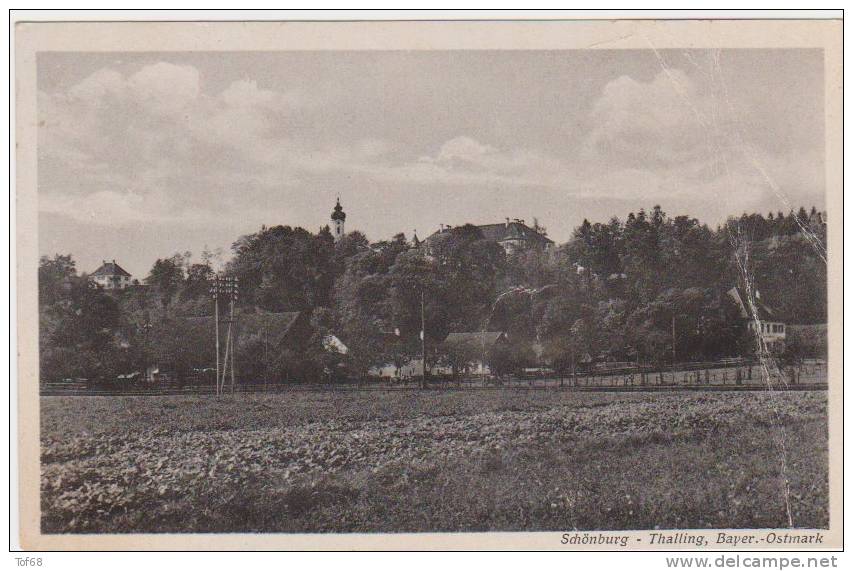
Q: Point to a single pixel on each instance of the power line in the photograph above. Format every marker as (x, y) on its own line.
(227, 288)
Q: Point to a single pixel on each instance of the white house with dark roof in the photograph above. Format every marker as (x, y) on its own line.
(111, 276)
(471, 351)
(761, 321)
(512, 235)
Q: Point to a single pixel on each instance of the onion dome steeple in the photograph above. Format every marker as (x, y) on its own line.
(338, 213)
(338, 218)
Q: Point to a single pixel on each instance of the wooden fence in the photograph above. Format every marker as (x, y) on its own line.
(810, 375)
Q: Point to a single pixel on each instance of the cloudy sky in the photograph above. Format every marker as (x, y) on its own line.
(143, 155)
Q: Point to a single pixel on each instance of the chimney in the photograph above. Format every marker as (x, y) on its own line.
(507, 222)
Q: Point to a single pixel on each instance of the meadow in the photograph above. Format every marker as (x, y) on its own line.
(415, 461)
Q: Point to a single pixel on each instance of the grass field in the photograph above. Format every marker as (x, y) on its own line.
(432, 461)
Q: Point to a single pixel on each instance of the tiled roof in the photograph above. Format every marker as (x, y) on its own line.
(274, 327)
(512, 231)
(110, 269)
(764, 312)
(505, 231)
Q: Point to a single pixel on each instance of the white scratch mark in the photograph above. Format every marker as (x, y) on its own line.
(769, 366)
(749, 152)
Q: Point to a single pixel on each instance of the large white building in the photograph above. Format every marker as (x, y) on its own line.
(111, 276)
(512, 235)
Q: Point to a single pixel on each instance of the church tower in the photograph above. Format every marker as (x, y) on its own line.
(338, 218)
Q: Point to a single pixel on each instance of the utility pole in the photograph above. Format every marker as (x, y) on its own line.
(220, 383)
(483, 362)
(423, 341)
(216, 319)
(225, 286)
(232, 334)
(673, 342)
(214, 291)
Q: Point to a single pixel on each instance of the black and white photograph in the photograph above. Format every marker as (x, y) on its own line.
(578, 291)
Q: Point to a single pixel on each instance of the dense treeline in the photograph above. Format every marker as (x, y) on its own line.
(647, 288)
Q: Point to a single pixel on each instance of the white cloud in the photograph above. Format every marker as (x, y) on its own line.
(464, 149)
(164, 87)
(465, 160)
(101, 83)
(159, 144)
(102, 208)
(112, 139)
(668, 139)
(661, 122)
(460, 161)
(245, 93)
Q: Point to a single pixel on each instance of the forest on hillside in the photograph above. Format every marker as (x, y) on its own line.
(615, 291)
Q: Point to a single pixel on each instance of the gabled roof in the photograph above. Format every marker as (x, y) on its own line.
(764, 312)
(478, 338)
(110, 269)
(274, 327)
(503, 231)
(333, 344)
(512, 231)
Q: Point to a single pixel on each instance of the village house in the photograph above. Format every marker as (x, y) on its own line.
(772, 332)
(260, 337)
(111, 276)
(473, 352)
(410, 369)
(333, 344)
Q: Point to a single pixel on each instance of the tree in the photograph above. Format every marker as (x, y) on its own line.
(79, 326)
(54, 278)
(616, 288)
(362, 308)
(791, 277)
(180, 345)
(510, 356)
(284, 269)
(167, 276)
(461, 355)
(598, 247)
(195, 297)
